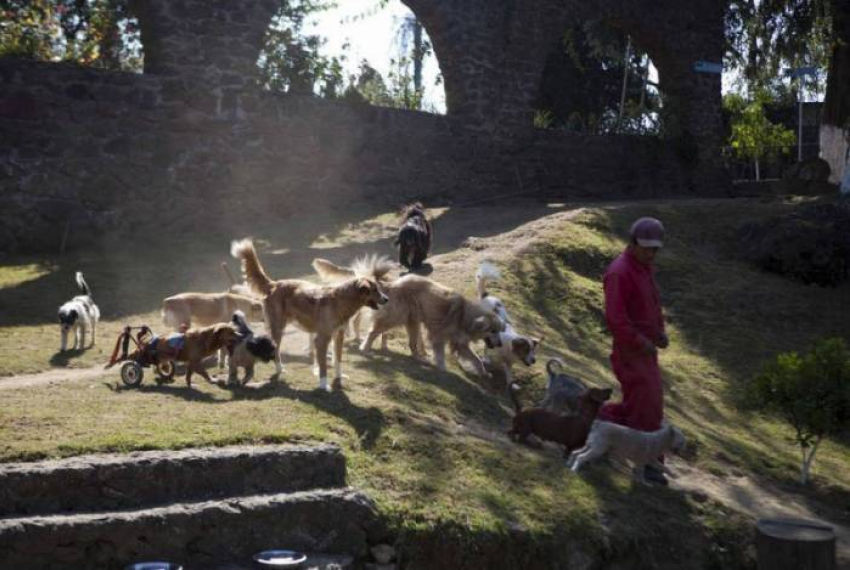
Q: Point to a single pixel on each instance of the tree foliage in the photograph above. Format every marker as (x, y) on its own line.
(753, 136)
(97, 33)
(291, 60)
(810, 391)
(583, 80)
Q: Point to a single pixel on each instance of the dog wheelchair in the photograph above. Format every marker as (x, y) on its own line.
(151, 350)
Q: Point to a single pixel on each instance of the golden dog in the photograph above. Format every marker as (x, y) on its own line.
(447, 316)
(320, 309)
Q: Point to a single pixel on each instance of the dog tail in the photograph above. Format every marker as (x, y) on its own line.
(81, 283)
(514, 390)
(254, 273)
(372, 266)
(486, 272)
(330, 271)
(241, 323)
(552, 364)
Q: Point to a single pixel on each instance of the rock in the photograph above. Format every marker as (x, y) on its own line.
(811, 244)
(383, 553)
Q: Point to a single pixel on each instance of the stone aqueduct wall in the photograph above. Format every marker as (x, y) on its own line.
(193, 136)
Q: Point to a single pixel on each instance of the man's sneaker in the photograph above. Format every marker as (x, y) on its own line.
(654, 475)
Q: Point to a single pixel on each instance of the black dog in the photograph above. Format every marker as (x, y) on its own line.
(250, 348)
(414, 237)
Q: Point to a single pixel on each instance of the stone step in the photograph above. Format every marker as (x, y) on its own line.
(208, 534)
(147, 478)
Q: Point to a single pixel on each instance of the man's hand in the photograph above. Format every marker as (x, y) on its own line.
(648, 346)
(663, 341)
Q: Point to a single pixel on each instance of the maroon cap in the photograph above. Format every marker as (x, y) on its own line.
(648, 232)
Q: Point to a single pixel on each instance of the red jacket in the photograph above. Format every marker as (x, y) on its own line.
(632, 304)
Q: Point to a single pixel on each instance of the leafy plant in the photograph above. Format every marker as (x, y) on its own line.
(811, 392)
(753, 136)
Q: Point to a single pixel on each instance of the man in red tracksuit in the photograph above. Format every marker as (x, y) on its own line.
(633, 314)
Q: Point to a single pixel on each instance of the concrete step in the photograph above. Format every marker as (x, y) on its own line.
(208, 534)
(113, 482)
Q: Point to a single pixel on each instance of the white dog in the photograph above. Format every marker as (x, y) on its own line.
(79, 314)
(514, 346)
(642, 448)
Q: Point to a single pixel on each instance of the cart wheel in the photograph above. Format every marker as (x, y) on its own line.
(165, 372)
(131, 374)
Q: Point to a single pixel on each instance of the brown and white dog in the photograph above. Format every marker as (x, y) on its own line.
(448, 317)
(514, 347)
(203, 309)
(320, 309)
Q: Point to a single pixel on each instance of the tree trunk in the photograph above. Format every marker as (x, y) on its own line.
(758, 177)
(835, 121)
(793, 544)
(808, 459)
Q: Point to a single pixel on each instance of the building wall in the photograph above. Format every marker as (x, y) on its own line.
(193, 138)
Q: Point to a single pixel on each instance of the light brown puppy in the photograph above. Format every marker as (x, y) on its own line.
(198, 344)
(320, 309)
(448, 317)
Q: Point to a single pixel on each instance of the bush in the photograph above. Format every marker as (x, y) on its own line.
(811, 392)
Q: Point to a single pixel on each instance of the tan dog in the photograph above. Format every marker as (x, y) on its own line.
(204, 309)
(198, 344)
(447, 316)
(320, 309)
(330, 272)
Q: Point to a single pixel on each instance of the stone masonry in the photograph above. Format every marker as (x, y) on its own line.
(90, 151)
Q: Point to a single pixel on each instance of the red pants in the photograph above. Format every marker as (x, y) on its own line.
(642, 407)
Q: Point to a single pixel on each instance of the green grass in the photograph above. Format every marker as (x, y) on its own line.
(430, 446)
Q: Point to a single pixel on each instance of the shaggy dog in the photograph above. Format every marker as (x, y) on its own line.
(562, 390)
(204, 309)
(642, 448)
(414, 237)
(513, 347)
(569, 431)
(322, 310)
(193, 346)
(248, 350)
(448, 317)
(80, 314)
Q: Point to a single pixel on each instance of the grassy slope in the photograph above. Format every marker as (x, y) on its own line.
(429, 446)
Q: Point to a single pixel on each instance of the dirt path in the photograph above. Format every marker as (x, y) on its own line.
(758, 500)
(294, 342)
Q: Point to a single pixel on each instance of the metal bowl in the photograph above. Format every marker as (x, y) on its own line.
(280, 558)
(159, 565)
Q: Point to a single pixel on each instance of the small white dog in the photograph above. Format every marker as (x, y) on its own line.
(642, 448)
(79, 314)
(514, 346)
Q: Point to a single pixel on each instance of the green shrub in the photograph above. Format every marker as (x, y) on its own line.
(811, 392)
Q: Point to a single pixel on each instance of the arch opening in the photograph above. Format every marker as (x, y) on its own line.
(598, 80)
(103, 34)
(380, 55)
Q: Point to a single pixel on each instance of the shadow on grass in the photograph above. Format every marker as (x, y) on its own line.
(63, 357)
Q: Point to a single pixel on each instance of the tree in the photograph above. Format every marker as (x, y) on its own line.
(764, 37)
(291, 61)
(583, 80)
(811, 392)
(97, 33)
(753, 136)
